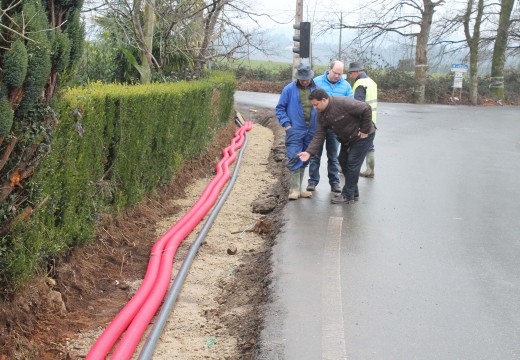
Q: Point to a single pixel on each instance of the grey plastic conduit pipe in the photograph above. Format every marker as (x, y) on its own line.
(151, 342)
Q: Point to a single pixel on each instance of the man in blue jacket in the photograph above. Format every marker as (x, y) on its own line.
(296, 114)
(334, 84)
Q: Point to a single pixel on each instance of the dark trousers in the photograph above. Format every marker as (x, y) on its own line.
(350, 159)
(331, 145)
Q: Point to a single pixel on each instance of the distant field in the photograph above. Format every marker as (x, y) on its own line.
(255, 64)
(269, 65)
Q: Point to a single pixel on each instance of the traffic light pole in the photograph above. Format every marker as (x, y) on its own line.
(297, 19)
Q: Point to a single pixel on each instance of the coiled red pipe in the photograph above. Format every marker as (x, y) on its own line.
(138, 312)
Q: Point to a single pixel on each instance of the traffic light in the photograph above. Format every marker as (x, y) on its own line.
(304, 39)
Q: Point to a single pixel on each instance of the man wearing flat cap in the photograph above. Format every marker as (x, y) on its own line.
(298, 117)
(365, 89)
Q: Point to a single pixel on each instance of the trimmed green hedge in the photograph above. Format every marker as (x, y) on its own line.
(113, 145)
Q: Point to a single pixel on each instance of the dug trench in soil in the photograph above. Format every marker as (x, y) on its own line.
(61, 313)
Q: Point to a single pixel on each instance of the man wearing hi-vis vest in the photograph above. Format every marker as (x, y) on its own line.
(365, 89)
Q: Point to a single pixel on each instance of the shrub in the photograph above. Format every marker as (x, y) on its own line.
(6, 115)
(15, 65)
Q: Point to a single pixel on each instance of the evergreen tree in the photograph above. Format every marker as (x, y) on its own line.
(39, 41)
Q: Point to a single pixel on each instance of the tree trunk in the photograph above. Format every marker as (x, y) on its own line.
(421, 52)
(473, 41)
(473, 83)
(210, 23)
(499, 50)
(146, 55)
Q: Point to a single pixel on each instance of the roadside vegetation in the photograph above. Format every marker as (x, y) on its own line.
(394, 84)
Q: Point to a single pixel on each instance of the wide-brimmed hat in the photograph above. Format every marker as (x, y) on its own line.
(304, 72)
(356, 66)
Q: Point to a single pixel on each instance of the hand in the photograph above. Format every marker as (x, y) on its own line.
(304, 156)
(287, 127)
(362, 135)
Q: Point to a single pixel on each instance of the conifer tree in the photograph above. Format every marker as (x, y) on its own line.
(39, 40)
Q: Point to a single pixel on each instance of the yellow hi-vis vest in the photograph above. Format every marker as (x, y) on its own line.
(371, 94)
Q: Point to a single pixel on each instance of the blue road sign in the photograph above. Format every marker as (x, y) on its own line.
(459, 67)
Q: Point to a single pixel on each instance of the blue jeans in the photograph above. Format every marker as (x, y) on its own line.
(350, 160)
(296, 141)
(331, 145)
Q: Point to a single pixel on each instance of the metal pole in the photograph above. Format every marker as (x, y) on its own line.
(340, 31)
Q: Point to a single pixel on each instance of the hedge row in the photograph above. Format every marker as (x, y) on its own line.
(394, 85)
(113, 145)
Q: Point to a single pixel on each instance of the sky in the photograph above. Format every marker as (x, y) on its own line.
(325, 46)
(283, 11)
(280, 30)
(277, 26)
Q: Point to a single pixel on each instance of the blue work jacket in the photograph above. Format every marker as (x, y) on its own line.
(289, 111)
(341, 88)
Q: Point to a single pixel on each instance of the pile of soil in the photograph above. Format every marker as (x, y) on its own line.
(59, 314)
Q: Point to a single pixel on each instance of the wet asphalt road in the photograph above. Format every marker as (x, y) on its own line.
(426, 265)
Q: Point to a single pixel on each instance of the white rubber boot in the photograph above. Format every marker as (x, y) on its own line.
(294, 191)
(370, 163)
(303, 194)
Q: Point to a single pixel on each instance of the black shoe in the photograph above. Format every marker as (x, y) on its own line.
(356, 198)
(342, 199)
(335, 188)
(311, 187)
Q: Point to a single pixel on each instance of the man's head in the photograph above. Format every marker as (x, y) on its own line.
(304, 74)
(355, 68)
(336, 68)
(319, 99)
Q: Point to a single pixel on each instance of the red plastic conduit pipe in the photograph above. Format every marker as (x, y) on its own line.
(138, 312)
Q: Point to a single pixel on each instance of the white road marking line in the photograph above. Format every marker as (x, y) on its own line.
(332, 333)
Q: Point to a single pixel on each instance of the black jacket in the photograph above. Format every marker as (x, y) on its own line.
(346, 117)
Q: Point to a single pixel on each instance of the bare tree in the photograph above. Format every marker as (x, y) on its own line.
(513, 46)
(499, 51)
(421, 49)
(473, 16)
(408, 18)
(146, 55)
(480, 24)
(210, 33)
(186, 31)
